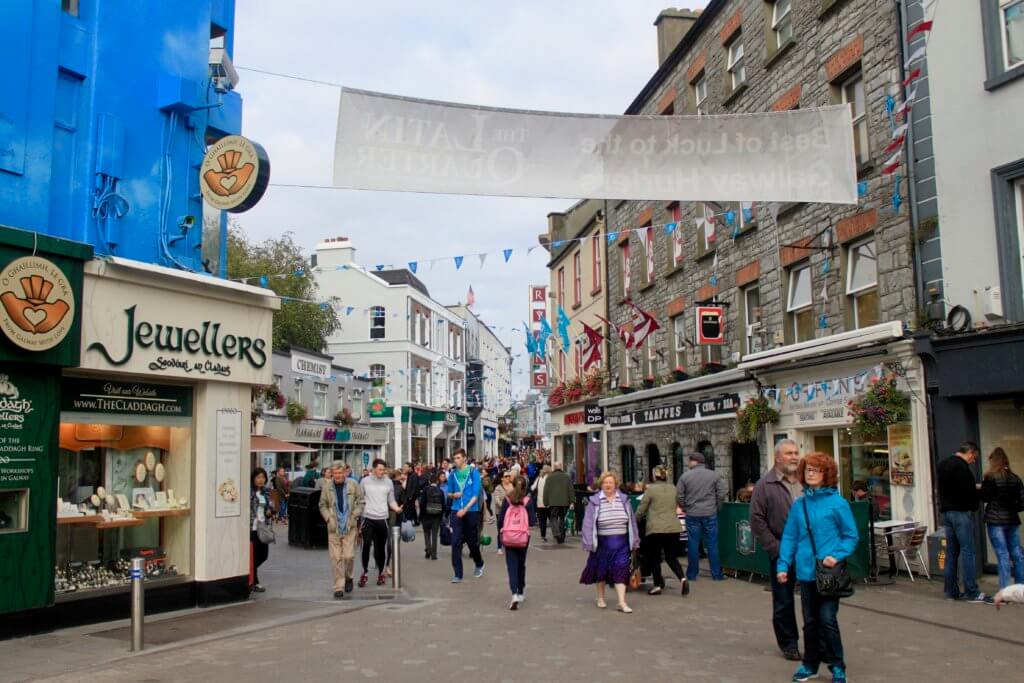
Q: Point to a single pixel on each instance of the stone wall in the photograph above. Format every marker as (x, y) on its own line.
(848, 35)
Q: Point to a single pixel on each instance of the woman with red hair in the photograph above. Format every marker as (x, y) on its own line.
(830, 519)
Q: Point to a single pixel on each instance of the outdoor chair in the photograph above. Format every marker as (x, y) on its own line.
(910, 541)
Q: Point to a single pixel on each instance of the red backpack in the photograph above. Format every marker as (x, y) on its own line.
(515, 529)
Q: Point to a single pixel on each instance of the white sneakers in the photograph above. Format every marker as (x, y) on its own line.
(516, 599)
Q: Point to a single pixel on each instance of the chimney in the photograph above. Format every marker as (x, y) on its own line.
(335, 251)
(672, 26)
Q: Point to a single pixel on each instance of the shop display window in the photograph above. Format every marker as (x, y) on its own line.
(1001, 423)
(866, 461)
(13, 511)
(123, 491)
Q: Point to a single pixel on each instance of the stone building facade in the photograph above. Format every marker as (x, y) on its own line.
(785, 274)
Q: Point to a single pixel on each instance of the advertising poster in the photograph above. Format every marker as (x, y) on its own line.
(901, 455)
(229, 463)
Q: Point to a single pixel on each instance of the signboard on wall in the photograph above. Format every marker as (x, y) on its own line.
(538, 309)
(901, 454)
(710, 325)
(311, 366)
(82, 395)
(720, 406)
(228, 482)
(234, 174)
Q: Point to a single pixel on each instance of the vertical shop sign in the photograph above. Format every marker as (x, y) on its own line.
(229, 463)
(901, 455)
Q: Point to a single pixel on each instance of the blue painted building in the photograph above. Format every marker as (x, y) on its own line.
(106, 108)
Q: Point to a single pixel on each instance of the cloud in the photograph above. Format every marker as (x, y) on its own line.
(582, 57)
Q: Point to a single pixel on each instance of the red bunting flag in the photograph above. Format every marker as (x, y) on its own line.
(644, 325)
(592, 352)
(923, 27)
(623, 331)
(470, 297)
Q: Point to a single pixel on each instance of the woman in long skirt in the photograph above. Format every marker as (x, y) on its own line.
(609, 536)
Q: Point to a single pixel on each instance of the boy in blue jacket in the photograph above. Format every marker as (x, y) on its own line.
(464, 491)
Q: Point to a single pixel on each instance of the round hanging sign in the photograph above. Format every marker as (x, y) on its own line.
(37, 304)
(234, 174)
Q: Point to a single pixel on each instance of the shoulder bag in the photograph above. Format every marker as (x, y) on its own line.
(831, 582)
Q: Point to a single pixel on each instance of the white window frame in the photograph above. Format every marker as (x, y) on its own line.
(341, 399)
(743, 222)
(649, 252)
(858, 120)
(752, 329)
(700, 95)
(374, 374)
(790, 308)
(652, 355)
(297, 390)
(577, 278)
(595, 244)
(676, 212)
(679, 335)
(627, 275)
(781, 22)
(736, 68)
(383, 317)
(1003, 37)
(854, 294)
(708, 213)
(319, 397)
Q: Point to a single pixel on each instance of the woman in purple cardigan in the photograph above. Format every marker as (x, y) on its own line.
(609, 535)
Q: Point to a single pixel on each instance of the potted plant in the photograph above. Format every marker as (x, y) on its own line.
(753, 415)
(296, 411)
(271, 396)
(679, 373)
(343, 418)
(595, 382)
(880, 406)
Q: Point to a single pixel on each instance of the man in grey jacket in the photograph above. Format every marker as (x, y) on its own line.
(700, 493)
(769, 508)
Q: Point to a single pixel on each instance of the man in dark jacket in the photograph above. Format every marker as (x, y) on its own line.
(414, 486)
(958, 503)
(769, 508)
(558, 496)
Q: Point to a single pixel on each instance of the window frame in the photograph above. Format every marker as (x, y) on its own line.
(595, 261)
(679, 337)
(776, 21)
(700, 95)
(750, 330)
(794, 311)
(277, 381)
(857, 77)
(675, 211)
(297, 390)
(704, 246)
(735, 66)
(320, 390)
(577, 281)
(1004, 38)
(649, 258)
(627, 275)
(372, 374)
(560, 282)
(383, 318)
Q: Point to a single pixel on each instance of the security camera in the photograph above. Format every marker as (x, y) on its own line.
(222, 71)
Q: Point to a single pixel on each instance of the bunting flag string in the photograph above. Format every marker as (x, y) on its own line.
(899, 116)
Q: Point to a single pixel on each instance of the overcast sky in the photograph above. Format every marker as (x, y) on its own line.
(590, 57)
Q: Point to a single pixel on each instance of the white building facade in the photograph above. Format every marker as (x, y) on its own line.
(410, 347)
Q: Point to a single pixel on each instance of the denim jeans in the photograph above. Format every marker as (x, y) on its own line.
(556, 514)
(465, 530)
(696, 528)
(515, 562)
(1006, 545)
(960, 547)
(787, 634)
(822, 642)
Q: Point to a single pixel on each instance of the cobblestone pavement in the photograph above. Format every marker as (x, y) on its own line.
(437, 631)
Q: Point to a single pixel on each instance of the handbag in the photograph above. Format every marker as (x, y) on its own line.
(831, 582)
(635, 575)
(408, 532)
(265, 533)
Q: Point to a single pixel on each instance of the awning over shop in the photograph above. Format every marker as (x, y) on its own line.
(268, 444)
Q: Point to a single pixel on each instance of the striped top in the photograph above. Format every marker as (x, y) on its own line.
(611, 518)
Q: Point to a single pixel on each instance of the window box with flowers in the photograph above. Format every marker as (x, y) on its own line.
(595, 382)
(557, 395)
(679, 374)
(343, 418)
(296, 411)
(574, 391)
(881, 405)
(751, 416)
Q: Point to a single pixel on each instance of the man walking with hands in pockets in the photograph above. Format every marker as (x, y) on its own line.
(769, 508)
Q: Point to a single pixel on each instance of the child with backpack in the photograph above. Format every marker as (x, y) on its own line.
(515, 519)
(432, 510)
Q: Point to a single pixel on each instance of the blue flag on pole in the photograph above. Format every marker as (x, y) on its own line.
(563, 328)
(542, 341)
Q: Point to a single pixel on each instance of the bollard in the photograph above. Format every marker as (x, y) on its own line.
(396, 563)
(138, 603)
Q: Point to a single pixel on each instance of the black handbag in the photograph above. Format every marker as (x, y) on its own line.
(831, 582)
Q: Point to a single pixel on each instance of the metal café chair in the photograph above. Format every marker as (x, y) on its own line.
(909, 541)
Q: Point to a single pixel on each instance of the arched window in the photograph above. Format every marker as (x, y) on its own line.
(378, 317)
(678, 461)
(653, 459)
(627, 454)
(708, 450)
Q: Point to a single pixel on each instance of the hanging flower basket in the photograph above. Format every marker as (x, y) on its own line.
(557, 395)
(295, 411)
(753, 415)
(880, 406)
(595, 382)
(344, 418)
(573, 391)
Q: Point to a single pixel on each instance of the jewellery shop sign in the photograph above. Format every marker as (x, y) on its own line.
(140, 330)
(711, 408)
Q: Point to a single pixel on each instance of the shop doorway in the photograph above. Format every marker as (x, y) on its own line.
(678, 461)
(746, 464)
(708, 451)
(627, 456)
(823, 442)
(579, 465)
(653, 460)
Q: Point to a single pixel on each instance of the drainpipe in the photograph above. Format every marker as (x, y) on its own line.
(921, 298)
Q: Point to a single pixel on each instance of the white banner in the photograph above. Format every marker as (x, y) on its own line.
(387, 142)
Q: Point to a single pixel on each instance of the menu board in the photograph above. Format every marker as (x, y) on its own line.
(229, 463)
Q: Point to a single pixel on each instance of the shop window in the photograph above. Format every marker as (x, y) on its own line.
(595, 261)
(627, 455)
(700, 95)
(679, 337)
(736, 69)
(125, 490)
(319, 400)
(798, 305)
(866, 461)
(1001, 424)
(13, 511)
(862, 284)
(378, 320)
(297, 391)
(751, 311)
(782, 23)
(653, 459)
(852, 91)
(577, 283)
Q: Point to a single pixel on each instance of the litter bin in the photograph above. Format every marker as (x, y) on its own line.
(306, 528)
(937, 552)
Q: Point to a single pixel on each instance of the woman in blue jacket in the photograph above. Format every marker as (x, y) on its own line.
(835, 536)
